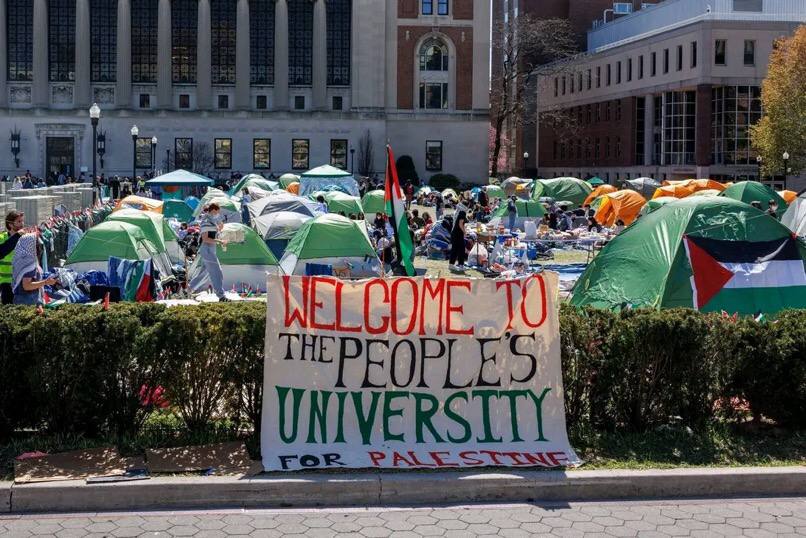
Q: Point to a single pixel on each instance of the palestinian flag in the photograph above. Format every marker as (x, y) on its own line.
(395, 210)
(140, 285)
(728, 275)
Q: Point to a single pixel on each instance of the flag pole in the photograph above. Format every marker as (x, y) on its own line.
(389, 180)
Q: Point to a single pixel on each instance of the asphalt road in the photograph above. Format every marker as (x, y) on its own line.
(734, 517)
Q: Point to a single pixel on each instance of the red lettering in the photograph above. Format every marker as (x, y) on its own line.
(450, 309)
(543, 315)
(557, 458)
(515, 457)
(368, 306)
(315, 305)
(376, 458)
(432, 292)
(467, 459)
(396, 305)
(538, 458)
(493, 456)
(339, 326)
(413, 456)
(397, 458)
(510, 307)
(296, 314)
(437, 457)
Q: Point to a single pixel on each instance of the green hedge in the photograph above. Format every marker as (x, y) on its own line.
(83, 370)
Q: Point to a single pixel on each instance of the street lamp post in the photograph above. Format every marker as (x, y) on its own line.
(525, 162)
(135, 132)
(153, 155)
(95, 115)
(759, 160)
(786, 166)
(352, 161)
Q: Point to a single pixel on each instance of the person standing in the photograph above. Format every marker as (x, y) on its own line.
(246, 199)
(27, 273)
(114, 184)
(210, 227)
(15, 222)
(457, 259)
(512, 212)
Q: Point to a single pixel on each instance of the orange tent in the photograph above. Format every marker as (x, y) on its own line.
(293, 188)
(601, 190)
(687, 187)
(788, 196)
(140, 202)
(624, 205)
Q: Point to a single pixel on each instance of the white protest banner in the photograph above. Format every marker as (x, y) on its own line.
(413, 373)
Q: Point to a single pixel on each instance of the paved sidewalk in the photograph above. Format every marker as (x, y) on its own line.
(755, 517)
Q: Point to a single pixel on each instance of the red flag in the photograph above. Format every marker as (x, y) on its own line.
(106, 301)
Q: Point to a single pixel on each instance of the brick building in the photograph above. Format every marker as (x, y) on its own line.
(669, 92)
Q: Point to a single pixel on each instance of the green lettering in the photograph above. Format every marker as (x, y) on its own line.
(282, 392)
(342, 396)
(513, 396)
(365, 422)
(422, 417)
(538, 401)
(388, 413)
(318, 415)
(457, 418)
(485, 396)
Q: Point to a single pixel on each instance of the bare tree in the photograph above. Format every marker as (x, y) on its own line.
(202, 158)
(366, 154)
(528, 47)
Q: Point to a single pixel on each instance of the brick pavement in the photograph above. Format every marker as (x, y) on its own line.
(754, 517)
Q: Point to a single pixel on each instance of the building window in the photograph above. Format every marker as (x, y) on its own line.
(19, 35)
(598, 109)
(618, 109)
(428, 7)
(629, 69)
(261, 153)
(734, 110)
(433, 155)
(749, 52)
(653, 64)
(434, 55)
(640, 129)
(144, 41)
(299, 102)
(184, 19)
(678, 127)
(433, 95)
(339, 30)
(222, 37)
(338, 154)
(183, 153)
(300, 148)
(720, 53)
(598, 76)
(679, 57)
(145, 100)
(103, 40)
(590, 79)
(338, 102)
(62, 40)
(223, 102)
(142, 153)
(608, 74)
(665, 61)
(641, 67)
(618, 72)
(607, 111)
(184, 100)
(261, 41)
(261, 102)
(556, 86)
(300, 42)
(693, 54)
(573, 83)
(223, 153)
(579, 81)
(563, 85)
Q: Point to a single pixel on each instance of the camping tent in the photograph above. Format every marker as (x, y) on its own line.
(335, 241)
(192, 201)
(795, 216)
(278, 228)
(656, 203)
(230, 209)
(753, 191)
(338, 202)
(253, 180)
(156, 229)
(374, 202)
(450, 193)
(494, 191)
(180, 178)
(282, 202)
(788, 196)
(706, 192)
(650, 263)
(139, 202)
(525, 209)
(243, 264)
(623, 205)
(643, 185)
(510, 184)
(177, 209)
(687, 187)
(601, 190)
(325, 176)
(287, 179)
(119, 239)
(562, 188)
(595, 181)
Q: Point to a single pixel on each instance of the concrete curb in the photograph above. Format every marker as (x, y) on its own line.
(383, 488)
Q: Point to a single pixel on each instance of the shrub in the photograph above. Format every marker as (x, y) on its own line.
(444, 181)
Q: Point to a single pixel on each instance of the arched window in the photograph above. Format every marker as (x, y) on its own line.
(434, 56)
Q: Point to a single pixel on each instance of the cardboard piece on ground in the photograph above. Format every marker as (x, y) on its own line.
(74, 465)
(223, 459)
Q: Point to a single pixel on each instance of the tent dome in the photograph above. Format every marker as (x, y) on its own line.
(562, 188)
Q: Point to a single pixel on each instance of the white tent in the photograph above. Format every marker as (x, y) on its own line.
(794, 217)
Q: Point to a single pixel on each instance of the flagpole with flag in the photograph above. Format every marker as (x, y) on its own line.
(395, 210)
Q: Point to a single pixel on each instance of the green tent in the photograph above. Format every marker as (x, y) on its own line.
(229, 207)
(656, 203)
(751, 191)
(495, 191)
(156, 229)
(338, 202)
(374, 202)
(525, 208)
(287, 179)
(254, 180)
(179, 178)
(177, 209)
(650, 263)
(562, 188)
(595, 181)
(115, 238)
(244, 264)
(331, 240)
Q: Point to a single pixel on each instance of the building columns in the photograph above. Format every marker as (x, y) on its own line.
(204, 87)
(82, 93)
(3, 57)
(123, 74)
(281, 55)
(649, 129)
(702, 126)
(164, 81)
(243, 62)
(319, 55)
(40, 88)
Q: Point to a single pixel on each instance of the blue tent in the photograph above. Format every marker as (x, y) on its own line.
(179, 178)
(193, 202)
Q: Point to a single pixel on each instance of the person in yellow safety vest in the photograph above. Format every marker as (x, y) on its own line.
(15, 222)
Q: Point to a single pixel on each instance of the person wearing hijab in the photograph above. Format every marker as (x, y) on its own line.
(209, 228)
(27, 281)
(457, 259)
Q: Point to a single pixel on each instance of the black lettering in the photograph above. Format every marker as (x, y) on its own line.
(412, 363)
(343, 355)
(369, 362)
(513, 347)
(481, 382)
(288, 336)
